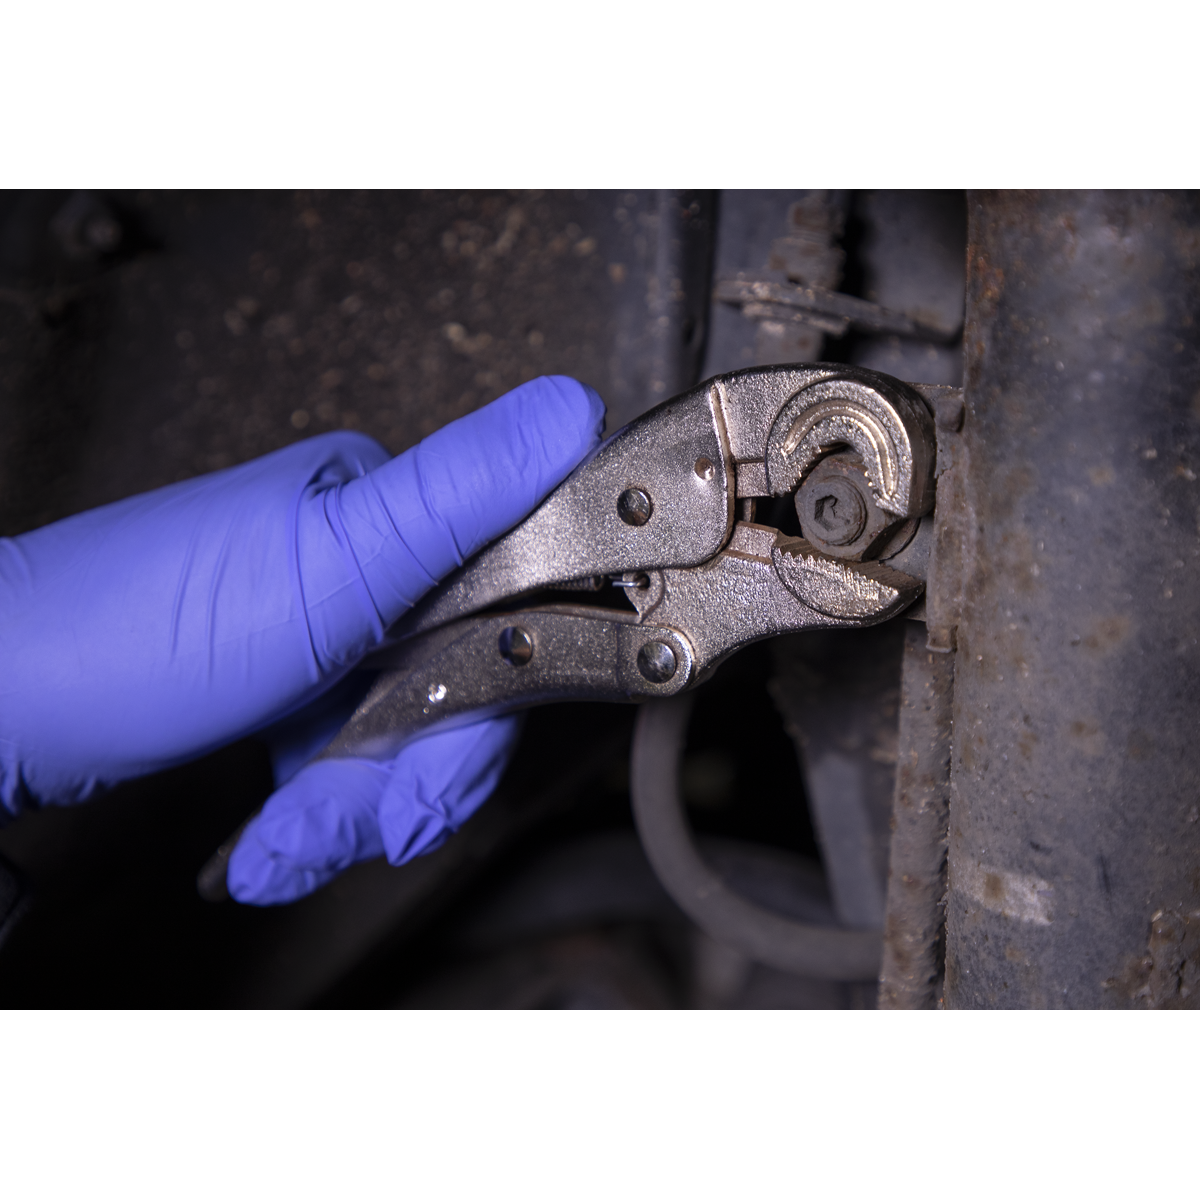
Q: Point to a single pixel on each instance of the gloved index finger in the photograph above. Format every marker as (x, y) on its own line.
(413, 520)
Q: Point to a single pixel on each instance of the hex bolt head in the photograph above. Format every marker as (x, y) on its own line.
(634, 506)
(516, 646)
(833, 509)
(840, 516)
(656, 661)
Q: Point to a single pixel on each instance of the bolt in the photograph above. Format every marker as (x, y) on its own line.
(836, 507)
(839, 515)
(656, 661)
(634, 506)
(516, 646)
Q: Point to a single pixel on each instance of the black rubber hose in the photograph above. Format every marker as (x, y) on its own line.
(815, 951)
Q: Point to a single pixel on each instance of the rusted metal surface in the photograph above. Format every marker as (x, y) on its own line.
(226, 325)
(832, 312)
(914, 927)
(1074, 852)
(953, 526)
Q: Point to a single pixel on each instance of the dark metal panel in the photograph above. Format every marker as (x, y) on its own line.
(1074, 855)
(225, 325)
(661, 326)
(911, 250)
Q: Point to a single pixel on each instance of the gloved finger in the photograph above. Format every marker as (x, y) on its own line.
(438, 782)
(475, 478)
(312, 828)
(328, 816)
(370, 548)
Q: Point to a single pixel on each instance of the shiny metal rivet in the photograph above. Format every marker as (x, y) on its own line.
(704, 468)
(437, 693)
(656, 661)
(634, 506)
(516, 646)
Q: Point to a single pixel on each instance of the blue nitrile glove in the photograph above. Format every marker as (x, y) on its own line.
(151, 631)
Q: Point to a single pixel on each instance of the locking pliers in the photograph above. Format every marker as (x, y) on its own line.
(663, 514)
(645, 569)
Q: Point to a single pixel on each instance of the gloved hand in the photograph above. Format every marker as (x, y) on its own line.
(152, 631)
